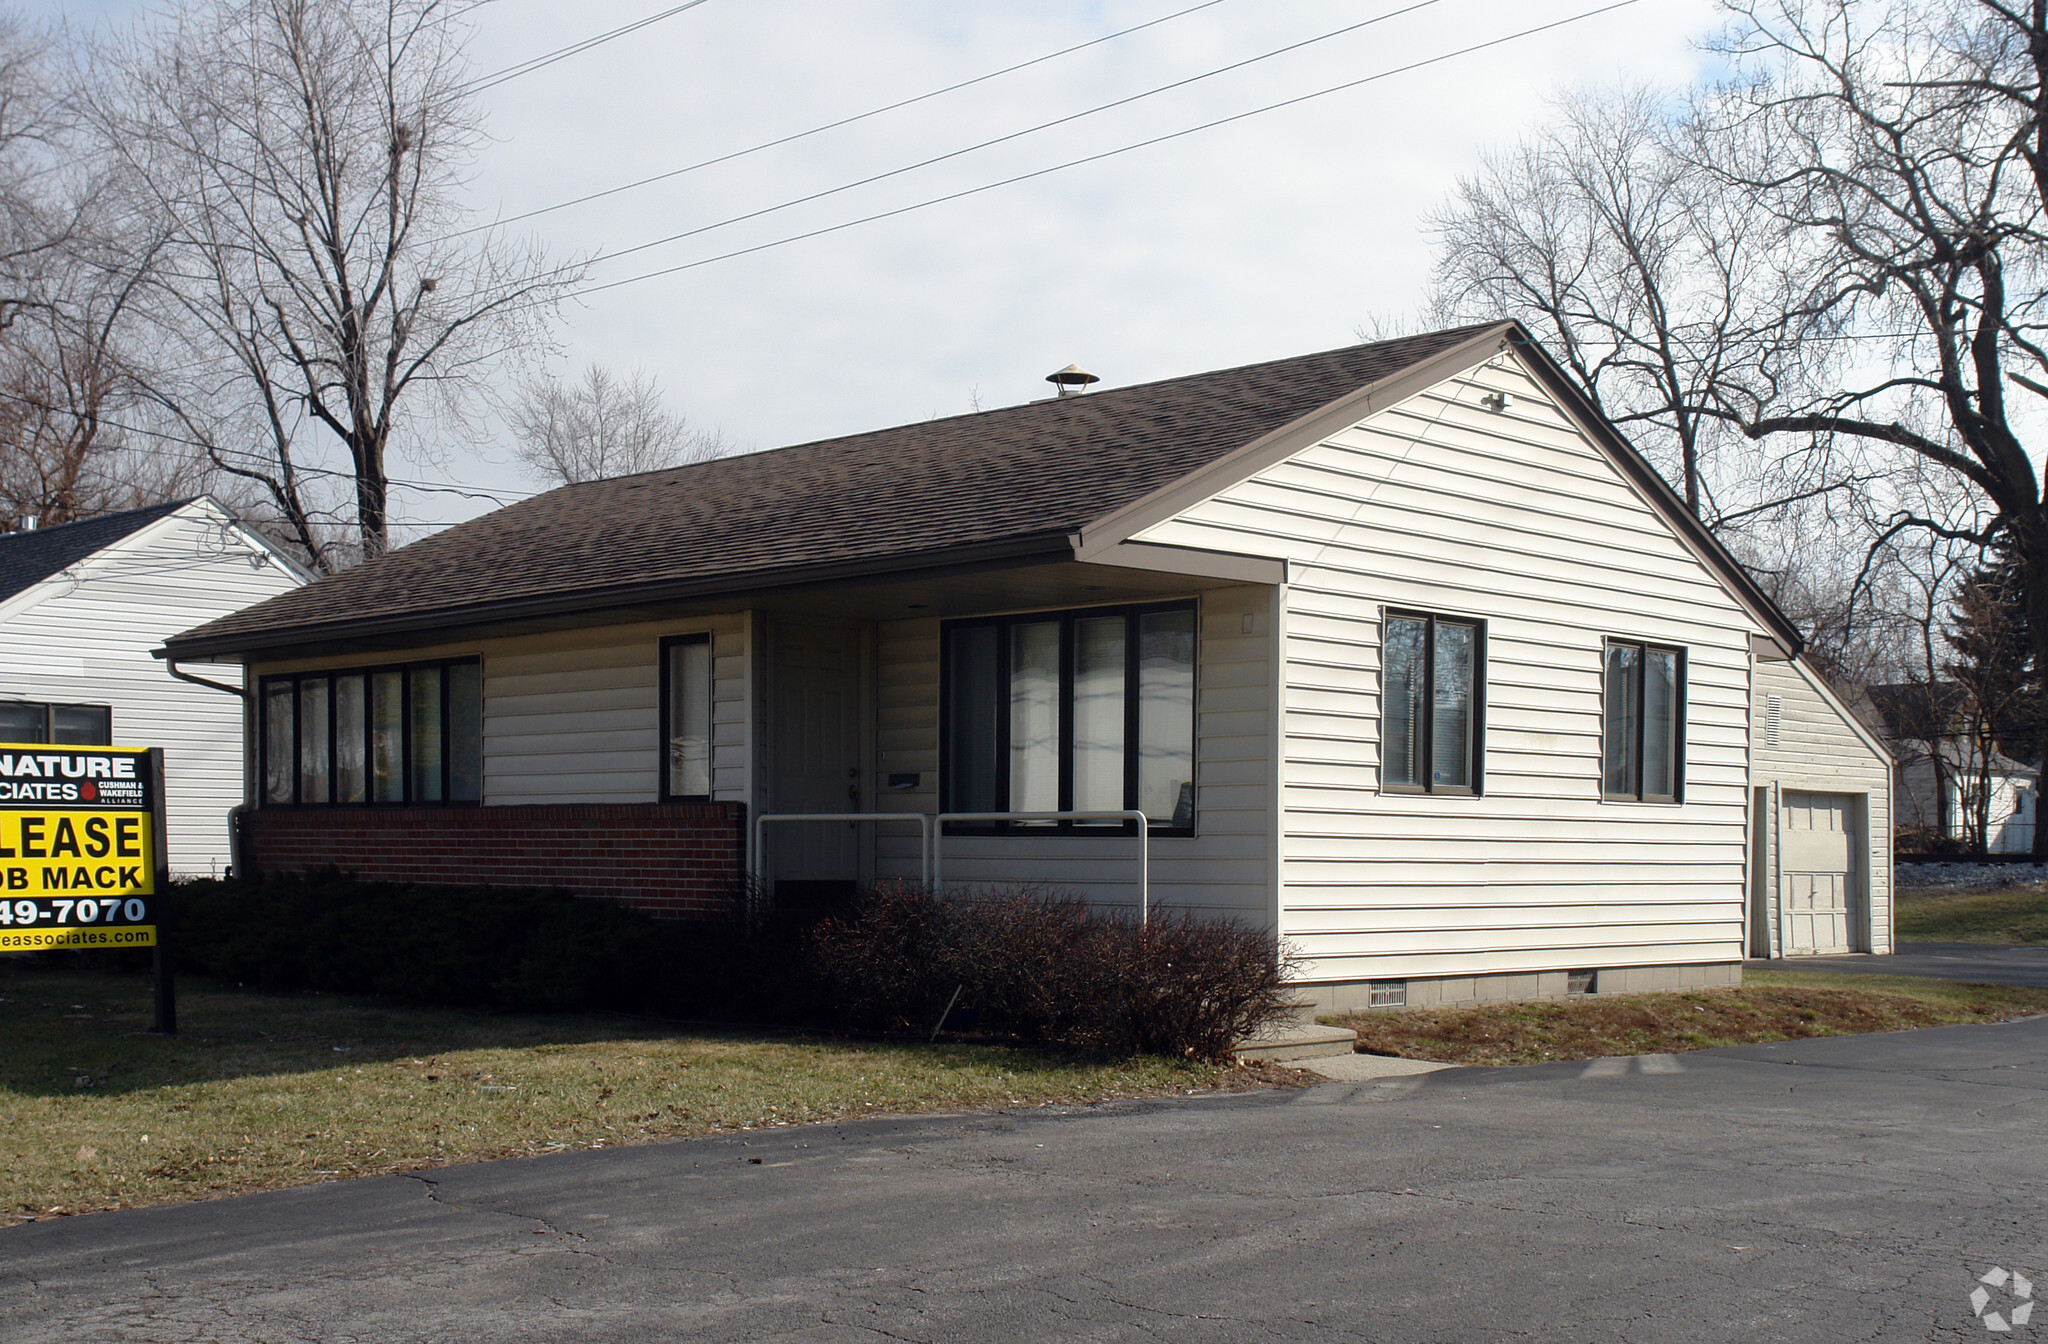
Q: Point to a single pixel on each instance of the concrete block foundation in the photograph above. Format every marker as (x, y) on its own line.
(1356, 996)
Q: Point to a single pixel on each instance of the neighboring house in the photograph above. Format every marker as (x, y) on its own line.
(1402, 650)
(1941, 771)
(83, 605)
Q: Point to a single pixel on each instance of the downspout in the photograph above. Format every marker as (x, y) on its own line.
(172, 665)
(235, 813)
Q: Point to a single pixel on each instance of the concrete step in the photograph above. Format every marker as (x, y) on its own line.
(1285, 1041)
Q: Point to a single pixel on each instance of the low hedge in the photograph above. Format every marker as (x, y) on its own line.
(1035, 966)
(1045, 967)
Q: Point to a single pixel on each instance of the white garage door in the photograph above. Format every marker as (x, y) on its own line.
(1817, 870)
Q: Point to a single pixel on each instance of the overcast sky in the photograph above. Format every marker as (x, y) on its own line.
(1273, 236)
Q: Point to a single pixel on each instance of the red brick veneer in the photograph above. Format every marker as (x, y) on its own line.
(679, 860)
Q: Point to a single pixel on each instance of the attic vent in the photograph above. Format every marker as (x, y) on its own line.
(1072, 381)
(1773, 709)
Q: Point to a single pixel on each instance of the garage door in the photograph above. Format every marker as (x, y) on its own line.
(1817, 870)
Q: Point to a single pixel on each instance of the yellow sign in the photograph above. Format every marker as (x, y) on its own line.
(88, 852)
(77, 855)
(42, 940)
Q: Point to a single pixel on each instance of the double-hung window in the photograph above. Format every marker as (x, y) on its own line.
(1432, 702)
(1643, 722)
(410, 734)
(74, 725)
(686, 718)
(1077, 711)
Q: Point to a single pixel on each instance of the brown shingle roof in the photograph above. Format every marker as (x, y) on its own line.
(1046, 468)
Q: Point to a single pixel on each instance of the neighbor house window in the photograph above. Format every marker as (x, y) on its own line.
(1643, 723)
(686, 716)
(1078, 711)
(1431, 729)
(72, 725)
(411, 734)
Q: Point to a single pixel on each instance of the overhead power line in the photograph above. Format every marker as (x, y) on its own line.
(527, 67)
(1091, 158)
(848, 121)
(1028, 130)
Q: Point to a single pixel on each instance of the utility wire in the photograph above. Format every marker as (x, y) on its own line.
(848, 121)
(499, 497)
(1091, 158)
(527, 67)
(1045, 125)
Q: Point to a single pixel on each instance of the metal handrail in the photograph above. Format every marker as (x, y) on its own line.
(1144, 844)
(924, 826)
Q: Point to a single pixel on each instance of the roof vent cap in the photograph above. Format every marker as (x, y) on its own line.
(28, 522)
(1072, 381)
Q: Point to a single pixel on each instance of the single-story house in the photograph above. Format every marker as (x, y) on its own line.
(1944, 772)
(1400, 650)
(83, 604)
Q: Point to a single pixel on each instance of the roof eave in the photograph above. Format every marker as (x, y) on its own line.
(1043, 546)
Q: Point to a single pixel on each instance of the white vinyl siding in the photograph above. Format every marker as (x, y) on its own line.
(1225, 869)
(1517, 520)
(574, 717)
(85, 636)
(1819, 750)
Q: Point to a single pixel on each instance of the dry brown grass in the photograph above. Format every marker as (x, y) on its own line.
(1771, 1006)
(261, 1091)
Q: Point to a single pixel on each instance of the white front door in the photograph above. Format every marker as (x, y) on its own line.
(814, 736)
(1817, 871)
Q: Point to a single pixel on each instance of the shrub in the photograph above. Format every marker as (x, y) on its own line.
(1038, 966)
(1051, 969)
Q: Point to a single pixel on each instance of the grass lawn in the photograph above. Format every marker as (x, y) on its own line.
(1770, 1006)
(2013, 915)
(259, 1091)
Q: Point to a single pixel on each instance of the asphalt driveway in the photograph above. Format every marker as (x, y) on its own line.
(1983, 963)
(1847, 1189)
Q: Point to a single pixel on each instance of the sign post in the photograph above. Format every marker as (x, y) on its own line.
(82, 861)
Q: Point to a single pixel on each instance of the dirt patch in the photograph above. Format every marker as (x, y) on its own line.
(1639, 1024)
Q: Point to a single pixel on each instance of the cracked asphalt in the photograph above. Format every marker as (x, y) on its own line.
(1845, 1189)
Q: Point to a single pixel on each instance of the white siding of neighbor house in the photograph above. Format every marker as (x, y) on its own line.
(1819, 750)
(1517, 518)
(84, 636)
(573, 716)
(1224, 870)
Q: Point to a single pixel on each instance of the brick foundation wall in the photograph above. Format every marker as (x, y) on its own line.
(675, 860)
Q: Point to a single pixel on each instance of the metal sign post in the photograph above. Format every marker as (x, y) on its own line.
(160, 957)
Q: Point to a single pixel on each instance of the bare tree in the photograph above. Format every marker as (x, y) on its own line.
(70, 268)
(319, 286)
(602, 426)
(1901, 152)
(1644, 277)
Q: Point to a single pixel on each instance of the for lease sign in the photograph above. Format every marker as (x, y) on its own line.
(77, 853)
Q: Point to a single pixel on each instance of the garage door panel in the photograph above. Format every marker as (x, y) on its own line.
(1817, 866)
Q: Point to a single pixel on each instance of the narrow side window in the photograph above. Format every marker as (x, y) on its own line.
(687, 717)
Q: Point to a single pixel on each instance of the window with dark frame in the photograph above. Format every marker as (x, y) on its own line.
(358, 736)
(61, 725)
(686, 718)
(1432, 704)
(1091, 710)
(1642, 722)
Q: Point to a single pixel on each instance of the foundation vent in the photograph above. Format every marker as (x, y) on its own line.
(1387, 994)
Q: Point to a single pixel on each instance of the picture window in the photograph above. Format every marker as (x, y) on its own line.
(1079, 711)
(411, 734)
